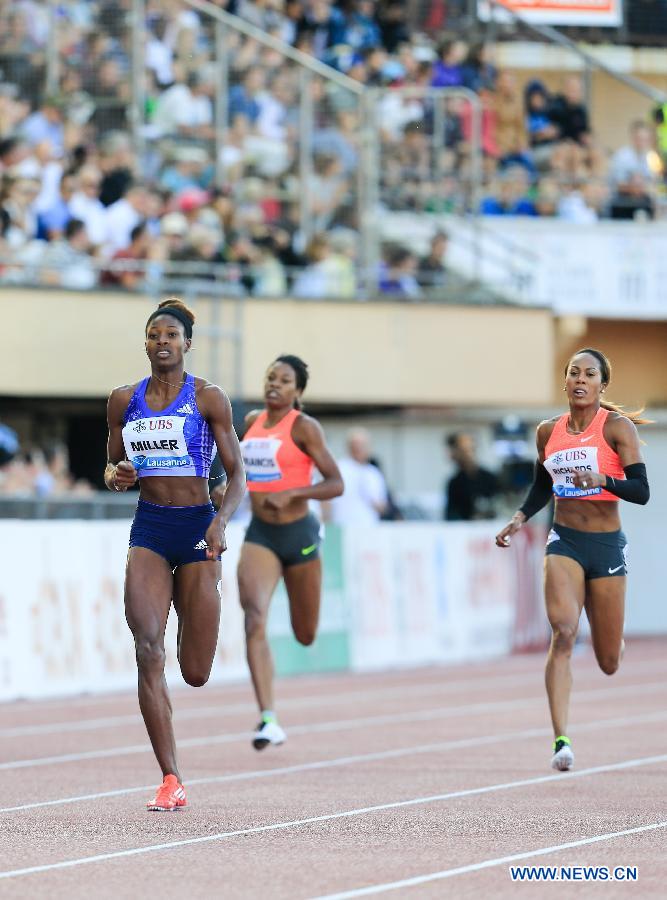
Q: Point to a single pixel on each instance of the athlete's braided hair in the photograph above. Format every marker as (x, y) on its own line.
(300, 372)
(605, 372)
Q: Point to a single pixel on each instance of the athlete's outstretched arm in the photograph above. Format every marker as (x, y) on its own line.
(119, 474)
(217, 410)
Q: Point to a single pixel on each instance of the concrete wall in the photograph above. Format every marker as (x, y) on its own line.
(82, 345)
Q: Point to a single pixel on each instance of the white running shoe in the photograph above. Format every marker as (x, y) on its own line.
(563, 758)
(268, 733)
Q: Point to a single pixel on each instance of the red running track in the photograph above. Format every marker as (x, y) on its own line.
(420, 783)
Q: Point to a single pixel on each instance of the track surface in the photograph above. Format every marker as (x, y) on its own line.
(421, 783)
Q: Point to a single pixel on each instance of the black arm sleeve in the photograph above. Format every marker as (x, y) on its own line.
(540, 492)
(634, 489)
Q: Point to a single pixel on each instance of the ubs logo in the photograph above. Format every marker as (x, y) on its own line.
(558, 458)
(140, 426)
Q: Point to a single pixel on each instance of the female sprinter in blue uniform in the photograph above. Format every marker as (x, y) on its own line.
(588, 459)
(281, 447)
(161, 432)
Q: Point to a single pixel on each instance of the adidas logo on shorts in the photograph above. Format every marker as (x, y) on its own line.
(202, 545)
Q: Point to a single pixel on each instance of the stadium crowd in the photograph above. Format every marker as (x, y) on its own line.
(90, 197)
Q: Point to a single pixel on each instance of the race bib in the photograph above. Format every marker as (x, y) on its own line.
(563, 466)
(157, 446)
(260, 459)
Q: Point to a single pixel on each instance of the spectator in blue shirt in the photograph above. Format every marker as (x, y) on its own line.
(52, 222)
(46, 124)
(243, 97)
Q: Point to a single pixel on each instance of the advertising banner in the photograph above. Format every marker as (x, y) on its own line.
(396, 594)
(596, 13)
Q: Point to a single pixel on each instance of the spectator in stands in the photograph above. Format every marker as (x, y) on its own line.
(13, 109)
(340, 140)
(568, 112)
(117, 163)
(432, 272)
(87, 206)
(14, 151)
(479, 72)
(159, 52)
(187, 166)
(174, 230)
(316, 281)
(634, 175)
(510, 196)
(365, 496)
(583, 202)
(344, 245)
(352, 24)
(111, 91)
(547, 197)
(510, 125)
(448, 70)
(137, 251)
(21, 59)
(47, 124)
(394, 27)
(470, 493)
(18, 216)
(124, 215)
(398, 274)
(185, 109)
(66, 261)
(268, 273)
(327, 188)
(51, 223)
(243, 97)
(543, 133)
(9, 444)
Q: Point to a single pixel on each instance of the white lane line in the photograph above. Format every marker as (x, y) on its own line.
(488, 863)
(346, 814)
(338, 761)
(220, 710)
(323, 727)
(467, 709)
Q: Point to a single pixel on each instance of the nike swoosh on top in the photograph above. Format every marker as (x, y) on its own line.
(306, 550)
(613, 571)
(582, 440)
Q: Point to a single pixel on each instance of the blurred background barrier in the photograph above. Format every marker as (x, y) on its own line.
(395, 595)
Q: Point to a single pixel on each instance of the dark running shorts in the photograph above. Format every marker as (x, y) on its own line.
(601, 554)
(295, 543)
(174, 532)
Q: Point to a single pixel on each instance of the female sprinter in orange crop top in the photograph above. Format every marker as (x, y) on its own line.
(588, 459)
(280, 448)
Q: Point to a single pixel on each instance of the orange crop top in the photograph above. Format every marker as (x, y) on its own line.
(272, 460)
(567, 453)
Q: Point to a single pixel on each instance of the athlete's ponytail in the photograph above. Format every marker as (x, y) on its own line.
(635, 415)
(301, 373)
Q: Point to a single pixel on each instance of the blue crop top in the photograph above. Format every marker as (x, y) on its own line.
(175, 441)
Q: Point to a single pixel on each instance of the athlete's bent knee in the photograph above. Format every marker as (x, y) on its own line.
(563, 636)
(150, 655)
(305, 636)
(195, 678)
(609, 664)
(255, 624)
